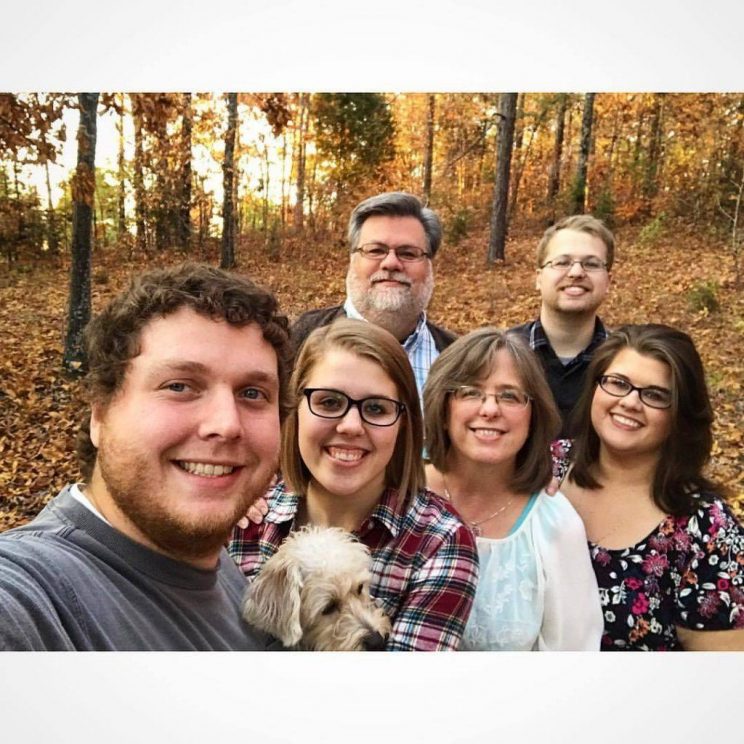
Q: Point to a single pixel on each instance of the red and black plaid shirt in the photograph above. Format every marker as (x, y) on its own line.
(424, 563)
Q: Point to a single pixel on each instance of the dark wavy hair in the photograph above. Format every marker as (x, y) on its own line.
(686, 450)
(112, 338)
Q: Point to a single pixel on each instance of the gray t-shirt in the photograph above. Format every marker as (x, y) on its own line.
(70, 581)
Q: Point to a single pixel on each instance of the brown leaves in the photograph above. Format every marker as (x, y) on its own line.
(40, 408)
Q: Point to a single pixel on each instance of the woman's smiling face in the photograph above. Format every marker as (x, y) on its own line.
(347, 457)
(626, 424)
(489, 431)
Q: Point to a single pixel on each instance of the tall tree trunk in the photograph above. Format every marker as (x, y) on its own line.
(650, 176)
(283, 182)
(499, 216)
(429, 151)
(121, 222)
(228, 174)
(298, 219)
(554, 177)
(523, 155)
(184, 201)
(139, 179)
(637, 152)
(266, 184)
(82, 215)
(163, 202)
(52, 242)
(580, 186)
(20, 236)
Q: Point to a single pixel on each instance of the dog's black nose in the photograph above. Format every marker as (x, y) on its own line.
(374, 642)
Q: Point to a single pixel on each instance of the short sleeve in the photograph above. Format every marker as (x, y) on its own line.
(711, 589)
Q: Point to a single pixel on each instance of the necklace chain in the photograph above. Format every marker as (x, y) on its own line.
(475, 525)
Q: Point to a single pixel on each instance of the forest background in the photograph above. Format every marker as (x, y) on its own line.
(265, 183)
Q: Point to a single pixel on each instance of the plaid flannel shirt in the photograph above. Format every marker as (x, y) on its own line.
(419, 347)
(424, 563)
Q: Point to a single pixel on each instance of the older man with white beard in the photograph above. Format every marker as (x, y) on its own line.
(393, 239)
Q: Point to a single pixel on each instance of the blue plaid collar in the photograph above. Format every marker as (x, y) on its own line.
(413, 339)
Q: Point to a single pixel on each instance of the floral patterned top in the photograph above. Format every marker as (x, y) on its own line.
(689, 572)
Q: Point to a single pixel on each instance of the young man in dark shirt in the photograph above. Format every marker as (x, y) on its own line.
(574, 260)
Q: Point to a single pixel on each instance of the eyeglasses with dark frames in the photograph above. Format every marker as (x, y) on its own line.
(379, 251)
(652, 396)
(333, 404)
(509, 397)
(565, 263)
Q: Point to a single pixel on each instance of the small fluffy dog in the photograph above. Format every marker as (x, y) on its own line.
(313, 594)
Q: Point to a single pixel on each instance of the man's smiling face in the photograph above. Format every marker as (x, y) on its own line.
(192, 437)
(575, 290)
(390, 285)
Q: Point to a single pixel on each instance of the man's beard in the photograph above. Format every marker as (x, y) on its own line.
(178, 537)
(371, 300)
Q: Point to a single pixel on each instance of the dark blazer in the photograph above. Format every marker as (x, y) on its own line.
(309, 321)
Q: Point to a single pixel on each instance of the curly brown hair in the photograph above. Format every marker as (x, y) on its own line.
(112, 338)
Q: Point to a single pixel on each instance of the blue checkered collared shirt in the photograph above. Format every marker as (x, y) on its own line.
(419, 346)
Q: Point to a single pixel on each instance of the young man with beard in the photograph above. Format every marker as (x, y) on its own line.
(186, 382)
(393, 239)
(574, 260)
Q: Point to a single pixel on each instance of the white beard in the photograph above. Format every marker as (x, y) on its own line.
(378, 304)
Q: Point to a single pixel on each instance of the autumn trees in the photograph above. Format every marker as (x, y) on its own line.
(300, 161)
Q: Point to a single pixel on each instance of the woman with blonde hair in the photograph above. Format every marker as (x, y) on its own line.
(351, 458)
(667, 551)
(490, 419)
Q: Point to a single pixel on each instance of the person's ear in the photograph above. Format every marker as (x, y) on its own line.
(97, 413)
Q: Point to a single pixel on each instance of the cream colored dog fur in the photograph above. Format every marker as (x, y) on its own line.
(313, 594)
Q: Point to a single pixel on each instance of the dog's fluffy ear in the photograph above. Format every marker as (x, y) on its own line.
(272, 601)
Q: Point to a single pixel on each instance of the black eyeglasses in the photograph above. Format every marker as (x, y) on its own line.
(565, 263)
(333, 404)
(379, 251)
(653, 397)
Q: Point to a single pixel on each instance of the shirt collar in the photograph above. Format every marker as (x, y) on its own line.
(417, 333)
(284, 504)
(539, 338)
(351, 311)
(412, 339)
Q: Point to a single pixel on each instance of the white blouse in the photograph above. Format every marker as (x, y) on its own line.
(536, 587)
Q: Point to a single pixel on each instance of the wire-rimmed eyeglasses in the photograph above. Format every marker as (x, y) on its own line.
(565, 263)
(510, 397)
(379, 251)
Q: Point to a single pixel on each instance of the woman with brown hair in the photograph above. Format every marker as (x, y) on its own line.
(666, 549)
(351, 458)
(490, 419)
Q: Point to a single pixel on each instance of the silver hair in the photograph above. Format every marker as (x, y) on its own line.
(396, 204)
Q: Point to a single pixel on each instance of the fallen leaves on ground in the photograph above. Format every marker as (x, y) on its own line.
(40, 407)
